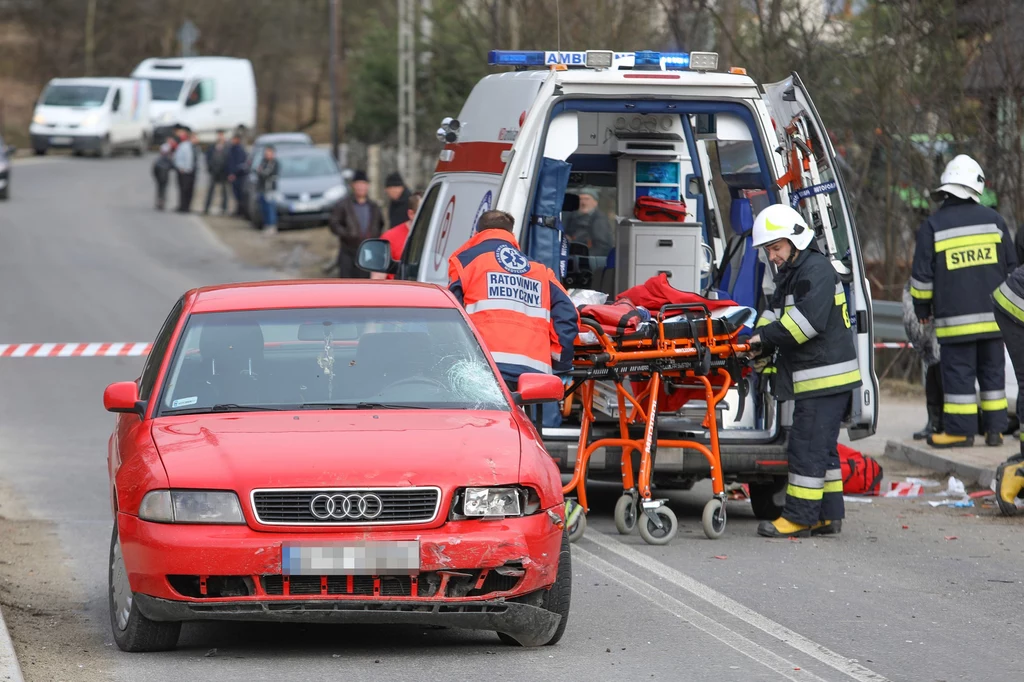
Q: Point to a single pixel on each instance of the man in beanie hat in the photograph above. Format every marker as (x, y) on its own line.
(589, 225)
(355, 218)
(398, 199)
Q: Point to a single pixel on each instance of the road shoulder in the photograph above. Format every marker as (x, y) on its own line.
(973, 466)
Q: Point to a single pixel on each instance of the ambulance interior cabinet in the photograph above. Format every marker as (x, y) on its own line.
(643, 250)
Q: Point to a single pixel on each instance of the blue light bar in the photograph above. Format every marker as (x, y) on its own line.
(646, 58)
(515, 58)
(675, 61)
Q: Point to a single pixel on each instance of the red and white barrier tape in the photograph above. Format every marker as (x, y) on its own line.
(73, 350)
(893, 345)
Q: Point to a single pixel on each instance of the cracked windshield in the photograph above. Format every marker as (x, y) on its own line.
(342, 358)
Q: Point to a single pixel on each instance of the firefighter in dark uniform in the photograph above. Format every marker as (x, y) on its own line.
(963, 253)
(807, 327)
(1009, 309)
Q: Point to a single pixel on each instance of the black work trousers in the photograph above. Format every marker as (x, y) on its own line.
(1013, 337)
(933, 386)
(962, 365)
(186, 185)
(222, 183)
(815, 490)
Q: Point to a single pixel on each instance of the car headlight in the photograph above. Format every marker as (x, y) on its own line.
(39, 119)
(495, 502)
(335, 193)
(166, 117)
(191, 506)
(90, 120)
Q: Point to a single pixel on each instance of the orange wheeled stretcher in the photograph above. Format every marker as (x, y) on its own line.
(682, 348)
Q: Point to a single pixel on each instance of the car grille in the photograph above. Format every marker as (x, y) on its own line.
(297, 197)
(397, 505)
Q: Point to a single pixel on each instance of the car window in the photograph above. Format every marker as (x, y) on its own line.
(306, 165)
(165, 89)
(116, 104)
(75, 95)
(418, 235)
(330, 357)
(156, 354)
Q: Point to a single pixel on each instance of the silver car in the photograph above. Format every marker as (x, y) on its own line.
(309, 184)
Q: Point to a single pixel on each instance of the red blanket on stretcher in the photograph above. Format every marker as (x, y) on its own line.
(657, 292)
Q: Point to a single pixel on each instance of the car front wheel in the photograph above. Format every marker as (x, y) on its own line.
(556, 599)
(132, 630)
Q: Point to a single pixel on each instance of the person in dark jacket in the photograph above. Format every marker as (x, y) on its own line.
(398, 199)
(162, 168)
(236, 170)
(266, 188)
(589, 225)
(355, 218)
(217, 168)
(963, 253)
(808, 325)
(1008, 303)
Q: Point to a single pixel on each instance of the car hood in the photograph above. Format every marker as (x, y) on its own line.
(363, 448)
(316, 184)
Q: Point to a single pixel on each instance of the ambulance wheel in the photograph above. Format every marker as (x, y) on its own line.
(653, 535)
(578, 527)
(767, 499)
(625, 515)
(713, 518)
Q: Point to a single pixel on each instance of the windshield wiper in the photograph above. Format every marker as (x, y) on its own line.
(363, 406)
(227, 407)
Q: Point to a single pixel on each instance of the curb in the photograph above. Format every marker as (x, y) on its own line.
(939, 461)
(10, 670)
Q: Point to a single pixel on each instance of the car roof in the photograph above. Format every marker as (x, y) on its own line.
(300, 150)
(271, 138)
(328, 293)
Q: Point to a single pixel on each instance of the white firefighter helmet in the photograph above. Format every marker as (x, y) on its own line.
(779, 221)
(962, 178)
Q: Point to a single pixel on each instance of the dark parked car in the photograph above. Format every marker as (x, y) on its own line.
(309, 184)
(279, 141)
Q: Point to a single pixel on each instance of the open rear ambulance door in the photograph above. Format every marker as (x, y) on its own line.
(823, 197)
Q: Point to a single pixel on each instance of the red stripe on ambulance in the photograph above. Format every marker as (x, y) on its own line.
(473, 157)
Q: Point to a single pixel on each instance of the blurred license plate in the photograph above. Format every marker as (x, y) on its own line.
(400, 557)
(302, 207)
(60, 140)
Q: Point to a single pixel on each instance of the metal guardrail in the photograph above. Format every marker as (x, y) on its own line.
(888, 321)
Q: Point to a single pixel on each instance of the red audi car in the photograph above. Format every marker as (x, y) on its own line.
(331, 451)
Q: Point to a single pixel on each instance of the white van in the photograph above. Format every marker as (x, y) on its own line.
(98, 115)
(624, 125)
(205, 93)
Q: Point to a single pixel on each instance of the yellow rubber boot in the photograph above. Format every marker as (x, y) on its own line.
(827, 527)
(782, 528)
(946, 440)
(1009, 484)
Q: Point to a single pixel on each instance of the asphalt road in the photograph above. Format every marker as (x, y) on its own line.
(907, 592)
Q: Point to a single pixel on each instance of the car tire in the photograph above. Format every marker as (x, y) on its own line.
(6, 191)
(557, 598)
(142, 146)
(40, 151)
(105, 150)
(762, 498)
(138, 632)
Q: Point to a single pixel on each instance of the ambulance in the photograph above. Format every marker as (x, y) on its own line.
(615, 126)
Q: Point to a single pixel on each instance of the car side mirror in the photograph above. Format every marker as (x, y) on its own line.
(123, 397)
(538, 388)
(375, 256)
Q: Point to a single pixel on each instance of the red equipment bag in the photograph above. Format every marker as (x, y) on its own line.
(862, 474)
(651, 210)
(617, 319)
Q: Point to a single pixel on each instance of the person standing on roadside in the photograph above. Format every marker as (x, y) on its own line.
(266, 187)
(398, 199)
(185, 167)
(162, 168)
(217, 167)
(1008, 304)
(236, 170)
(397, 235)
(355, 218)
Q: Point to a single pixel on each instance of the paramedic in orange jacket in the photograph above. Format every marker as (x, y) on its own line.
(525, 317)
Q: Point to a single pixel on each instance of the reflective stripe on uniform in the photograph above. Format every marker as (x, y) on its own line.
(767, 317)
(806, 481)
(790, 300)
(1009, 301)
(826, 376)
(522, 360)
(970, 235)
(965, 325)
(798, 326)
(993, 400)
(960, 403)
(802, 493)
(833, 481)
(513, 306)
(921, 290)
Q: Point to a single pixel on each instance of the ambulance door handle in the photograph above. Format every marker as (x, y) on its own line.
(664, 242)
(667, 273)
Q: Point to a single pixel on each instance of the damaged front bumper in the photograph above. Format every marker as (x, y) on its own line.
(529, 625)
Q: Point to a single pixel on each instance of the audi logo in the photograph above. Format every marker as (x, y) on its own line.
(342, 506)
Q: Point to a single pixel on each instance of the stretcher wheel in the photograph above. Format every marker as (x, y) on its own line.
(625, 514)
(578, 525)
(653, 535)
(713, 518)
